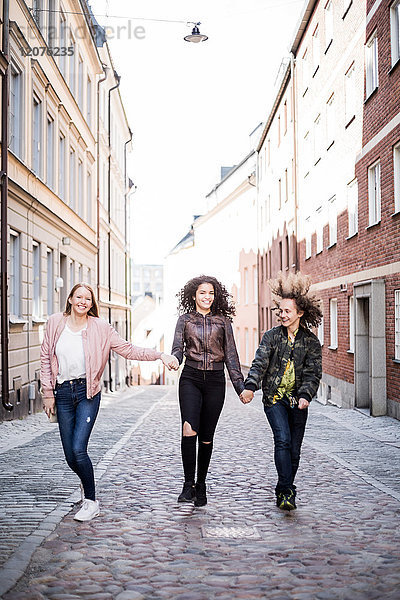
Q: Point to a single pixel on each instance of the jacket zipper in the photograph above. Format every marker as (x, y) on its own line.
(205, 346)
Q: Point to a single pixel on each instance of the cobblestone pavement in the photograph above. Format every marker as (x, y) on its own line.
(343, 542)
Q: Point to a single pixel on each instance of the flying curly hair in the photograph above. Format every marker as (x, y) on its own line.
(222, 305)
(296, 286)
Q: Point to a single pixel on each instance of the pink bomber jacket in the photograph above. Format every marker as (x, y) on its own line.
(98, 339)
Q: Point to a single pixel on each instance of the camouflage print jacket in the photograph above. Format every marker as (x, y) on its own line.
(271, 358)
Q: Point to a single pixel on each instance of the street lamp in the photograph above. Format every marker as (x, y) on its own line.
(195, 36)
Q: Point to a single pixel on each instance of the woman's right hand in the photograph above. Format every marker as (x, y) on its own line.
(49, 405)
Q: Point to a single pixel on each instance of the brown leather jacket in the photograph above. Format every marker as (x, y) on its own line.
(207, 342)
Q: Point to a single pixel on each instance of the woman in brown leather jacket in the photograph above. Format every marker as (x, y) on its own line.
(204, 336)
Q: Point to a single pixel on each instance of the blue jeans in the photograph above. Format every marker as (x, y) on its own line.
(76, 417)
(288, 426)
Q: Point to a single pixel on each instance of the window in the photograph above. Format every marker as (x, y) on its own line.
(279, 130)
(352, 207)
(320, 230)
(37, 137)
(246, 346)
(61, 166)
(315, 49)
(371, 65)
(286, 186)
(72, 67)
(63, 43)
(72, 178)
(328, 24)
(334, 323)
(317, 139)
(285, 117)
(350, 94)
(255, 286)
(280, 256)
(246, 286)
(346, 6)
(15, 274)
(374, 193)
(396, 175)
(50, 151)
(287, 252)
(280, 193)
(80, 188)
(89, 276)
(51, 23)
(89, 101)
(71, 273)
(332, 221)
(306, 71)
(397, 324)
(320, 332)
(50, 279)
(37, 297)
(395, 31)
(352, 338)
(37, 9)
(16, 113)
(89, 198)
(80, 82)
(237, 339)
(308, 238)
(269, 151)
(330, 121)
(80, 274)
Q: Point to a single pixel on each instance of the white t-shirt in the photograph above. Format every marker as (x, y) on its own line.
(70, 355)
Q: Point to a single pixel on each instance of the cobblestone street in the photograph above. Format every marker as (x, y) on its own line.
(343, 542)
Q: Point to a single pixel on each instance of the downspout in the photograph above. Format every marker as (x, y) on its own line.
(292, 77)
(127, 292)
(118, 78)
(5, 386)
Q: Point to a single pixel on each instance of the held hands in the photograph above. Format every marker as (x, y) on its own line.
(49, 405)
(246, 396)
(171, 362)
(303, 403)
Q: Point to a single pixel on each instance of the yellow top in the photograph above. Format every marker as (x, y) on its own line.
(288, 380)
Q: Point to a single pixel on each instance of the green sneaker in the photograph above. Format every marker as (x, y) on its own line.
(287, 501)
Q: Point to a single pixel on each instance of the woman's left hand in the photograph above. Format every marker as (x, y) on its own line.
(171, 362)
(303, 403)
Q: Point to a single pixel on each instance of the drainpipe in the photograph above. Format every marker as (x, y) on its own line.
(5, 386)
(292, 77)
(118, 79)
(127, 278)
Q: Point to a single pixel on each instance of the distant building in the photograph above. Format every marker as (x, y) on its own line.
(147, 280)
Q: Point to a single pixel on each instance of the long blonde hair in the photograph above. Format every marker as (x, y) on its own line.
(94, 309)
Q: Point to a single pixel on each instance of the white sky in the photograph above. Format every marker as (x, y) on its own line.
(191, 107)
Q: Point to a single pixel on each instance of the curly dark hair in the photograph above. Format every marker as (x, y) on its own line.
(222, 305)
(296, 286)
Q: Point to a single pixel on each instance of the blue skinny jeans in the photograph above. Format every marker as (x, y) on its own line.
(76, 417)
(288, 425)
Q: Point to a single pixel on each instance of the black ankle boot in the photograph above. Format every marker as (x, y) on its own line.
(188, 492)
(201, 494)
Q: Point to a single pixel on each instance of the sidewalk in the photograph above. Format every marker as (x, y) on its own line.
(341, 543)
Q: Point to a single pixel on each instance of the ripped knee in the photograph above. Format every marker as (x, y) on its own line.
(187, 430)
(204, 442)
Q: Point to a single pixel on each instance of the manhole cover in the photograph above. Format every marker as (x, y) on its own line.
(229, 532)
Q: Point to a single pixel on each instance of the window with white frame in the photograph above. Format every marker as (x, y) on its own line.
(371, 65)
(333, 315)
(89, 198)
(16, 110)
(352, 334)
(396, 175)
(286, 186)
(89, 101)
(89, 276)
(246, 346)
(80, 273)
(246, 286)
(374, 193)
(72, 178)
(37, 10)
(62, 59)
(308, 237)
(37, 136)
(80, 82)
(332, 208)
(72, 66)
(315, 49)
(51, 22)
(50, 151)
(255, 286)
(395, 31)
(317, 138)
(328, 23)
(397, 324)
(320, 332)
(320, 230)
(330, 121)
(306, 70)
(71, 273)
(285, 120)
(352, 207)
(350, 94)
(37, 296)
(80, 188)
(15, 274)
(61, 166)
(50, 282)
(280, 193)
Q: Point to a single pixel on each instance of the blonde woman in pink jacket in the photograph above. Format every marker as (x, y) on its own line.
(73, 356)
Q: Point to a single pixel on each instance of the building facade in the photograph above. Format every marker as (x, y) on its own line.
(147, 279)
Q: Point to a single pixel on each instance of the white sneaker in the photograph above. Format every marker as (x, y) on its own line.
(89, 510)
